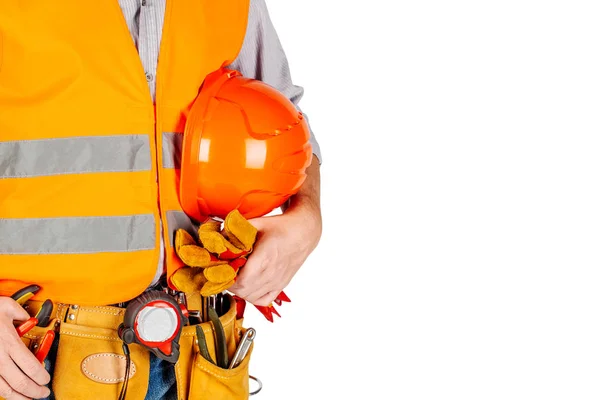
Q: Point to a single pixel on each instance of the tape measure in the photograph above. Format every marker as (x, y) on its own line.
(154, 320)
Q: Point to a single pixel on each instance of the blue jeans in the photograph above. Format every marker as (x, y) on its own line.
(161, 385)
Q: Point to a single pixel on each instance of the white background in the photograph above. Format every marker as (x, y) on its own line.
(460, 192)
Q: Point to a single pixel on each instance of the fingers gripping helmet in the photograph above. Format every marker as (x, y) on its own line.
(245, 147)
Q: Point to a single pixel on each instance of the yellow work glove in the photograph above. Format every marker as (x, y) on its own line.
(213, 263)
(235, 240)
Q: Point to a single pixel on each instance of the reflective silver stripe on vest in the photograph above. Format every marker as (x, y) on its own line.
(77, 235)
(78, 155)
(179, 220)
(172, 144)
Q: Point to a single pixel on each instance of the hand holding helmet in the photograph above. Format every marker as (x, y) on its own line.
(245, 152)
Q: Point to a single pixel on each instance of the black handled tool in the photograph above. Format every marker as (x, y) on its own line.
(220, 338)
(44, 313)
(22, 295)
(202, 345)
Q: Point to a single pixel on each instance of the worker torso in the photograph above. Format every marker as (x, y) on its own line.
(84, 150)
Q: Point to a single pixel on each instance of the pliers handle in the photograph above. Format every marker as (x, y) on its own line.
(45, 346)
(44, 313)
(21, 296)
(27, 326)
(41, 318)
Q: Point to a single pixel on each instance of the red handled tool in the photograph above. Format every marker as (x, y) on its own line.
(21, 296)
(41, 318)
(27, 326)
(45, 345)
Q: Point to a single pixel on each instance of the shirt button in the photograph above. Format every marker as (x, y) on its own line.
(149, 77)
(143, 2)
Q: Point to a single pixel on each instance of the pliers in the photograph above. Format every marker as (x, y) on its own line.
(220, 341)
(41, 318)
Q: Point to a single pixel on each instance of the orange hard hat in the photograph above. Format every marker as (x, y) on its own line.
(245, 147)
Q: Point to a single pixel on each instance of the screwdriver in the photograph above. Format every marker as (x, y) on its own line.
(242, 349)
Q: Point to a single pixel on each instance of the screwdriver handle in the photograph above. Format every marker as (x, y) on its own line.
(242, 349)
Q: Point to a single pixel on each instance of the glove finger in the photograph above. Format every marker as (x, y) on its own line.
(239, 231)
(220, 274)
(212, 288)
(267, 311)
(194, 256)
(181, 279)
(216, 243)
(210, 226)
(214, 240)
(184, 279)
(281, 297)
(183, 238)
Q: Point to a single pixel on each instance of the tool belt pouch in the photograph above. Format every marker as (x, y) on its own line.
(90, 362)
(200, 379)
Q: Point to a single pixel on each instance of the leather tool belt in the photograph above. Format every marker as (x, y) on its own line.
(90, 363)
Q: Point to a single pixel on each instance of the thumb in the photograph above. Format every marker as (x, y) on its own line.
(16, 312)
(258, 223)
(262, 223)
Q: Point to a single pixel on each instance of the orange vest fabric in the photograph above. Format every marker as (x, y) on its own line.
(88, 163)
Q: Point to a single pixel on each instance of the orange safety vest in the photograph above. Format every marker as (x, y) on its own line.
(88, 163)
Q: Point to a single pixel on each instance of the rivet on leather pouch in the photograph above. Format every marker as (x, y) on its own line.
(106, 368)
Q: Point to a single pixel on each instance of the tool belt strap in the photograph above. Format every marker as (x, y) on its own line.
(106, 317)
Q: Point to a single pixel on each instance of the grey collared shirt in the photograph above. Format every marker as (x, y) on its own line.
(261, 57)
